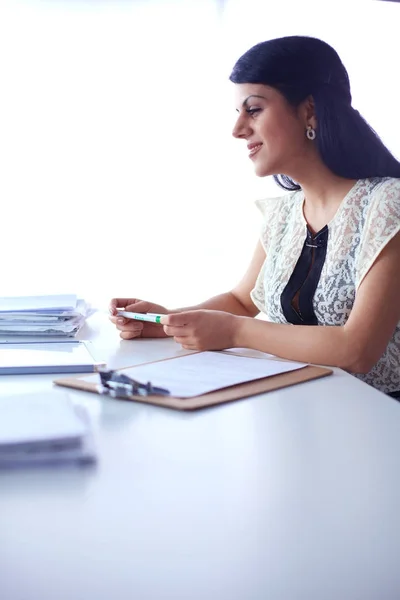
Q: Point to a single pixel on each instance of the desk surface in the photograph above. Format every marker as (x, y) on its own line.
(287, 496)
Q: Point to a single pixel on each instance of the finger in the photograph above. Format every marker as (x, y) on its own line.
(176, 319)
(152, 330)
(129, 335)
(128, 324)
(117, 303)
(183, 340)
(188, 342)
(140, 306)
(173, 331)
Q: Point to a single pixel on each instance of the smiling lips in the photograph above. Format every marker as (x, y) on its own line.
(254, 148)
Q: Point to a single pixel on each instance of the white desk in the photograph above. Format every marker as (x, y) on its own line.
(288, 496)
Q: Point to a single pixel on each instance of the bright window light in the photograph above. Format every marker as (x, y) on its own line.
(119, 175)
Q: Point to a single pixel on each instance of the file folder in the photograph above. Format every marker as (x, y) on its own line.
(71, 356)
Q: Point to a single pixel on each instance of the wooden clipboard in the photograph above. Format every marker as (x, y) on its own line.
(220, 396)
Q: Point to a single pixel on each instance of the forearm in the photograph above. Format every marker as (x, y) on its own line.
(310, 344)
(226, 302)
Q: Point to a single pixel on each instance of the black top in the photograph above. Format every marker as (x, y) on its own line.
(304, 280)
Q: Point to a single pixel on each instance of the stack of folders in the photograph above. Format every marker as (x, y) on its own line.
(37, 429)
(55, 316)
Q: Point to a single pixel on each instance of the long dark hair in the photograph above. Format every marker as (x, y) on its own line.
(299, 67)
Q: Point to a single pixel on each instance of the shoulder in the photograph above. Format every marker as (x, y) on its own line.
(279, 205)
(381, 209)
(381, 203)
(383, 189)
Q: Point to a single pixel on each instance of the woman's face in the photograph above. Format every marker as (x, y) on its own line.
(275, 131)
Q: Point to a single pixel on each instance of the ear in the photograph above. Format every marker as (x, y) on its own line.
(307, 112)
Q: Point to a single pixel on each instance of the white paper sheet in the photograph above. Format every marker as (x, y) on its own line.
(38, 303)
(204, 372)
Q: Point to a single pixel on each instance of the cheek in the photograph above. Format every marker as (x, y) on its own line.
(282, 144)
(283, 136)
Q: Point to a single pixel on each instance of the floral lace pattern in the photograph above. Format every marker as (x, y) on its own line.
(367, 219)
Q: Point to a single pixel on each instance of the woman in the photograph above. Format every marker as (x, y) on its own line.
(329, 254)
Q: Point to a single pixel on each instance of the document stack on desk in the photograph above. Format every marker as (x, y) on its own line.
(43, 316)
(43, 429)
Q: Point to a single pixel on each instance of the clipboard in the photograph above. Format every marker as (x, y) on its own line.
(219, 396)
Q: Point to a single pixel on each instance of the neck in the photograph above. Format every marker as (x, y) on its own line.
(322, 189)
(323, 192)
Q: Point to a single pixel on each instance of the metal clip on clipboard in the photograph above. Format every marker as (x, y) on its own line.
(118, 385)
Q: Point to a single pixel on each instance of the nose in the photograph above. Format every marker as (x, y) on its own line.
(241, 129)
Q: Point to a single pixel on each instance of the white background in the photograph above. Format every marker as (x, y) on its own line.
(118, 172)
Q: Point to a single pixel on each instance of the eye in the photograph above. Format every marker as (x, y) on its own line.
(252, 110)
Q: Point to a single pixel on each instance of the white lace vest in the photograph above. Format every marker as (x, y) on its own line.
(367, 219)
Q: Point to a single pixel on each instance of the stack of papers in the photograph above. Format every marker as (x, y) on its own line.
(43, 429)
(60, 315)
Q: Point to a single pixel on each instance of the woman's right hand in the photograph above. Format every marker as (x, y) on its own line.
(130, 328)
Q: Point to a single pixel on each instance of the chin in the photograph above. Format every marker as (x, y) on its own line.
(263, 170)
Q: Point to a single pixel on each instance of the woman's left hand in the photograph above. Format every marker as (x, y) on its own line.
(202, 329)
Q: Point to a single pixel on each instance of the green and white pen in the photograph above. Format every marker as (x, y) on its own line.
(150, 318)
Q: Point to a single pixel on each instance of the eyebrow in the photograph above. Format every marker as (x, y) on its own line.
(244, 103)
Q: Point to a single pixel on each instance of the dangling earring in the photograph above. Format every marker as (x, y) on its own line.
(310, 133)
